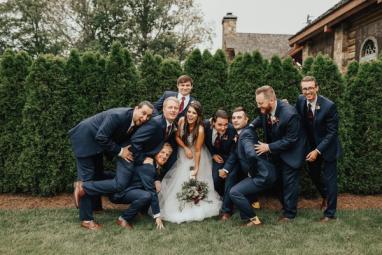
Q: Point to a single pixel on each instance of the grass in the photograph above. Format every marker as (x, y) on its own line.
(57, 231)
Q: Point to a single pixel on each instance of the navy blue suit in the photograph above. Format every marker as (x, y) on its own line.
(286, 140)
(227, 146)
(90, 139)
(261, 173)
(141, 192)
(322, 134)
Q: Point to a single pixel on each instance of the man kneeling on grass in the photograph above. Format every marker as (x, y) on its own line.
(142, 191)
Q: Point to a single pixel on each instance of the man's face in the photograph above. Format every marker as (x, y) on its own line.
(141, 115)
(309, 90)
(221, 125)
(239, 120)
(184, 88)
(170, 110)
(162, 156)
(265, 105)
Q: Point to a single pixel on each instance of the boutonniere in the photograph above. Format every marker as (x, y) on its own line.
(235, 138)
(175, 128)
(225, 137)
(274, 120)
(317, 107)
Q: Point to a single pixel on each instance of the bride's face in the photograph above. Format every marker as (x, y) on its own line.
(192, 115)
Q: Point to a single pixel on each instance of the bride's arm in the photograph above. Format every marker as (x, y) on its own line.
(179, 140)
(198, 148)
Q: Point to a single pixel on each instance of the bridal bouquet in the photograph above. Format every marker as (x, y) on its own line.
(193, 191)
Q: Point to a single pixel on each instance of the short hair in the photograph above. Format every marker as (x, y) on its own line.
(168, 146)
(309, 78)
(220, 114)
(268, 92)
(183, 79)
(240, 109)
(147, 103)
(170, 99)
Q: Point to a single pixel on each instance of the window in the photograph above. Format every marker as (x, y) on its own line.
(369, 49)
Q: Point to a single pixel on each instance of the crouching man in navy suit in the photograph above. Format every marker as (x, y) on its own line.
(142, 191)
(261, 175)
(285, 145)
(320, 122)
(102, 133)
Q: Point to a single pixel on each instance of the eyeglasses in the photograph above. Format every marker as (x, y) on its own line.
(308, 89)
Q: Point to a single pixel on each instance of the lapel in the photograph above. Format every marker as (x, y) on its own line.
(302, 106)
(317, 111)
(277, 115)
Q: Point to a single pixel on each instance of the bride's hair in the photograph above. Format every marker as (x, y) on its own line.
(199, 122)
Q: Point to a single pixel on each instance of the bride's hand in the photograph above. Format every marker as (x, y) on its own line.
(193, 174)
(188, 152)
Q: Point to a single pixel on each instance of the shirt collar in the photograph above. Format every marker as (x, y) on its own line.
(186, 98)
(312, 103)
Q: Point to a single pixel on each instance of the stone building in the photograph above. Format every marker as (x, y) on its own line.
(267, 44)
(349, 31)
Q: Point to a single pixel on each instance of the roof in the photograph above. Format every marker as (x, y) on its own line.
(267, 44)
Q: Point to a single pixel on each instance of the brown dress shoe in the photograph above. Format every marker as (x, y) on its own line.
(78, 193)
(254, 222)
(123, 223)
(327, 219)
(225, 216)
(283, 219)
(324, 204)
(91, 225)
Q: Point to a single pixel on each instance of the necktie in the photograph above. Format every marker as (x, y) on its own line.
(131, 130)
(168, 131)
(217, 142)
(309, 114)
(269, 120)
(181, 106)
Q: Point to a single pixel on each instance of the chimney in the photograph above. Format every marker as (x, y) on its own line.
(229, 24)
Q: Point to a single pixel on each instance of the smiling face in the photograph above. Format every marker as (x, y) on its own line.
(239, 120)
(184, 88)
(221, 125)
(170, 109)
(264, 104)
(141, 115)
(164, 154)
(192, 115)
(309, 90)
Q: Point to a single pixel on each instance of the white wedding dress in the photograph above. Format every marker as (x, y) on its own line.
(172, 184)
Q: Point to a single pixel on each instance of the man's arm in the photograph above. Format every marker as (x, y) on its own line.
(105, 132)
(143, 135)
(147, 175)
(331, 122)
(290, 138)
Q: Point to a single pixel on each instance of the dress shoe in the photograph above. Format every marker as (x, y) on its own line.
(123, 223)
(256, 205)
(324, 204)
(78, 193)
(253, 222)
(283, 219)
(90, 224)
(327, 219)
(225, 216)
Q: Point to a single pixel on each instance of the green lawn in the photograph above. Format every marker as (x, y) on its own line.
(57, 231)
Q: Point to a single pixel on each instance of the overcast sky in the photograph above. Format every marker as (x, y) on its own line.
(262, 16)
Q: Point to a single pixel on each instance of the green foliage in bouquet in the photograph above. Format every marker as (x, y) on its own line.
(193, 191)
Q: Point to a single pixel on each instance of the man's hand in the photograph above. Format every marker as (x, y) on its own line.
(261, 148)
(312, 156)
(218, 159)
(188, 152)
(148, 160)
(223, 174)
(159, 223)
(127, 154)
(157, 186)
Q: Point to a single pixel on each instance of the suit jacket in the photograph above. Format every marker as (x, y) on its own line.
(227, 142)
(158, 105)
(103, 132)
(325, 126)
(149, 139)
(250, 162)
(287, 138)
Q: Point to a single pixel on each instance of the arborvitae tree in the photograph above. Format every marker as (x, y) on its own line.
(14, 69)
(149, 82)
(193, 67)
(121, 78)
(365, 93)
(74, 79)
(291, 80)
(170, 70)
(274, 76)
(328, 78)
(307, 66)
(46, 159)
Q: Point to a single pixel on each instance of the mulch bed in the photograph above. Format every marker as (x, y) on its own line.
(345, 201)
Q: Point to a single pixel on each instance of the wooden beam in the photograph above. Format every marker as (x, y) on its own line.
(327, 29)
(333, 18)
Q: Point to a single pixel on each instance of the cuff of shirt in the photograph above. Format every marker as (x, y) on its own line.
(156, 215)
(225, 170)
(120, 152)
(319, 152)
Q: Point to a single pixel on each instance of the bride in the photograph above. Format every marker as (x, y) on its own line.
(192, 153)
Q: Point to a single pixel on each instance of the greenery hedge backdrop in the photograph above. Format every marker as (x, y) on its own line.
(42, 98)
